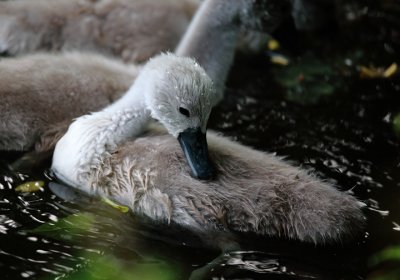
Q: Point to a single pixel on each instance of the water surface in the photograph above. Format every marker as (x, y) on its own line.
(345, 136)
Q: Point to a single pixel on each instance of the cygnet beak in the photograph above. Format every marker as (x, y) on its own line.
(194, 146)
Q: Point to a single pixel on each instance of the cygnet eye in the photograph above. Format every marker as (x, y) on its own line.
(184, 111)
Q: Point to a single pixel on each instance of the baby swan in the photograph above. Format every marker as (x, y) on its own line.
(133, 30)
(41, 93)
(172, 89)
(114, 153)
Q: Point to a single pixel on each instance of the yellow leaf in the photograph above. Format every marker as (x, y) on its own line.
(122, 208)
(390, 71)
(32, 186)
(370, 72)
(279, 59)
(378, 72)
(273, 45)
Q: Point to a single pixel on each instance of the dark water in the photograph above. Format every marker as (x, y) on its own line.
(345, 137)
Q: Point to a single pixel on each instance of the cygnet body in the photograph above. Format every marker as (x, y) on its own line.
(133, 30)
(115, 153)
(40, 94)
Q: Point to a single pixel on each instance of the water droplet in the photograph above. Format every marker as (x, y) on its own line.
(27, 274)
(386, 119)
(396, 226)
(39, 251)
(383, 213)
(348, 62)
(53, 218)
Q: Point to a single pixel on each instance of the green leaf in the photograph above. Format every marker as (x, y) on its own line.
(110, 267)
(122, 208)
(396, 125)
(388, 254)
(73, 224)
(306, 81)
(32, 186)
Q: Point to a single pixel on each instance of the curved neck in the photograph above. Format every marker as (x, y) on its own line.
(212, 36)
(129, 114)
(92, 136)
(134, 98)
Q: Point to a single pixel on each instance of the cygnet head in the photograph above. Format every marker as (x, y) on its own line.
(179, 94)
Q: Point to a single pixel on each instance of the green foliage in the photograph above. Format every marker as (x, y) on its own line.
(307, 80)
(32, 186)
(109, 267)
(396, 125)
(388, 255)
(74, 227)
(71, 225)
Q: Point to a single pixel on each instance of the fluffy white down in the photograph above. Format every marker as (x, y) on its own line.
(166, 83)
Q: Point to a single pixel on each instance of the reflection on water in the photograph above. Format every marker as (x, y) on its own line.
(346, 138)
(46, 236)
